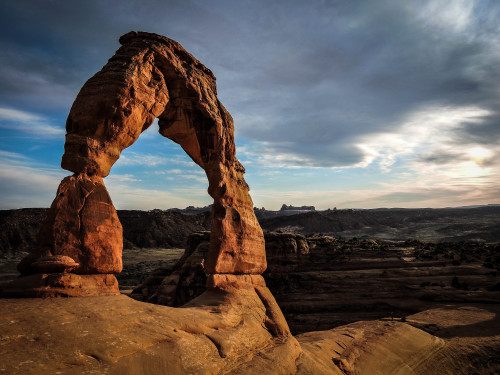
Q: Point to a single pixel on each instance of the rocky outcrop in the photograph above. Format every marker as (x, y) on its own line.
(187, 281)
(285, 252)
(149, 77)
(321, 282)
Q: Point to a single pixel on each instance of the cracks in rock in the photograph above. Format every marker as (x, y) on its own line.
(80, 210)
(343, 366)
(94, 356)
(218, 346)
(272, 324)
(348, 335)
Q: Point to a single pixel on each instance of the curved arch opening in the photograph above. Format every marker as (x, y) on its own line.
(156, 173)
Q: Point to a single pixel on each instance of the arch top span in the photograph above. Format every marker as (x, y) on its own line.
(150, 76)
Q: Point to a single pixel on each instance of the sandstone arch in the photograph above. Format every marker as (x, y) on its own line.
(149, 76)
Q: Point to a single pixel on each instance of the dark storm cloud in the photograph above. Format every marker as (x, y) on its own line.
(307, 78)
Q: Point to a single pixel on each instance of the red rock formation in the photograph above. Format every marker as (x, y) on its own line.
(152, 76)
(149, 76)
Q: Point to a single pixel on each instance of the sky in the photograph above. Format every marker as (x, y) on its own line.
(347, 104)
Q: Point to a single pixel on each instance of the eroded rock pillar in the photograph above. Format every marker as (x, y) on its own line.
(79, 245)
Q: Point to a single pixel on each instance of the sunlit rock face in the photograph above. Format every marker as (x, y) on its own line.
(150, 76)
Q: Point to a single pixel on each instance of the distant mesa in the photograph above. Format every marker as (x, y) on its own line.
(191, 210)
(294, 208)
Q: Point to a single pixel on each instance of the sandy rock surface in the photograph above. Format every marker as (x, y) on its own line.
(220, 332)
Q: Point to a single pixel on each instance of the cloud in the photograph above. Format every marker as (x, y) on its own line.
(29, 123)
(313, 102)
(126, 197)
(122, 178)
(454, 16)
(410, 193)
(25, 183)
(430, 130)
(132, 158)
(12, 156)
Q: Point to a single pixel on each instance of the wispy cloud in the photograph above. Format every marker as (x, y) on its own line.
(132, 158)
(400, 92)
(125, 196)
(449, 15)
(26, 183)
(398, 194)
(12, 156)
(122, 178)
(28, 123)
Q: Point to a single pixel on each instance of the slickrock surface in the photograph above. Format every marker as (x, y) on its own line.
(46, 285)
(471, 333)
(222, 332)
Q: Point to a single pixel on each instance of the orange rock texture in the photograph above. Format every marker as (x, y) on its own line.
(149, 77)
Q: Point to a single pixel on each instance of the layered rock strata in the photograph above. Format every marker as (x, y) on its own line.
(149, 77)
